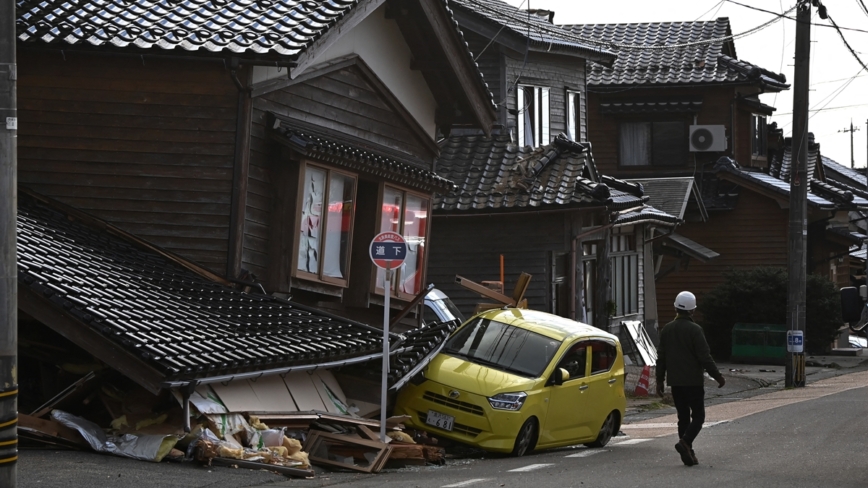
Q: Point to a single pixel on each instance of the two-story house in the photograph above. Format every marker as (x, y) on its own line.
(260, 144)
(531, 193)
(675, 101)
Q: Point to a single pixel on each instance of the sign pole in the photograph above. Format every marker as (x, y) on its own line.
(388, 250)
(384, 386)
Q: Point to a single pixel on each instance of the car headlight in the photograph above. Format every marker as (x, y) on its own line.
(507, 401)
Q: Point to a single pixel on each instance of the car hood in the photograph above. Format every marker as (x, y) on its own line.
(475, 378)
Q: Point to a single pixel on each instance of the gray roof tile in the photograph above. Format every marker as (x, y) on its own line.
(173, 319)
(712, 62)
(538, 31)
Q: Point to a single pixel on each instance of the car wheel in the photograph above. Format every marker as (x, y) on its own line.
(606, 432)
(525, 441)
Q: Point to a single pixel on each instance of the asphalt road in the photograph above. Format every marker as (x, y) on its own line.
(806, 437)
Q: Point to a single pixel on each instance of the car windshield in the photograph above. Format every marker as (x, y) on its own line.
(503, 346)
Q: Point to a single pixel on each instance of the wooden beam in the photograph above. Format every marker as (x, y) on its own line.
(88, 339)
(466, 71)
(240, 175)
(486, 292)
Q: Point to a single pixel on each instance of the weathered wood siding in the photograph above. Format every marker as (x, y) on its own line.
(716, 110)
(556, 72)
(145, 145)
(471, 247)
(261, 193)
(343, 101)
(490, 62)
(753, 234)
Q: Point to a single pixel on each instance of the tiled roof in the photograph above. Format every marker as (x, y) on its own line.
(537, 31)
(159, 312)
(493, 173)
(609, 107)
(644, 214)
(357, 158)
(782, 162)
(822, 195)
(284, 27)
(712, 62)
(844, 174)
(418, 348)
(279, 30)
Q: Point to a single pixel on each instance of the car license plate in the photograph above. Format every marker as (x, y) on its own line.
(439, 420)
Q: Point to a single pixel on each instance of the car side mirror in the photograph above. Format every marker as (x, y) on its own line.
(560, 375)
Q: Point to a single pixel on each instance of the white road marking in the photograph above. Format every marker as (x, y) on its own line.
(586, 453)
(667, 425)
(629, 442)
(530, 467)
(465, 483)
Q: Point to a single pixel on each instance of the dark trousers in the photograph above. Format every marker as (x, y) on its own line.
(690, 405)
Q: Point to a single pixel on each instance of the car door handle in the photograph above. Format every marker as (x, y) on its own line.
(583, 387)
(613, 380)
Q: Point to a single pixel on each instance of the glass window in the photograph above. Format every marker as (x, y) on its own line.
(533, 115)
(503, 346)
(589, 273)
(575, 360)
(326, 216)
(653, 143)
(603, 356)
(625, 271)
(759, 135)
(574, 113)
(406, 214)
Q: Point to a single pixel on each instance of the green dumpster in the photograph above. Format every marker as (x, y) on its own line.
(759, 343)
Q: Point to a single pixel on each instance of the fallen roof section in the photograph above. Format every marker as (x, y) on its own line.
(159, 323)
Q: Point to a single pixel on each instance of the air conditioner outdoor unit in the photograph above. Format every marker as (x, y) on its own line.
(707, 138)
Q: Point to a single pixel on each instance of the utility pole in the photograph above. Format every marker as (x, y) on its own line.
(851, 131)
(798, 228)
(8, 260)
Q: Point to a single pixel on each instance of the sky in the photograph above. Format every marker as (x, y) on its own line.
(836, 96)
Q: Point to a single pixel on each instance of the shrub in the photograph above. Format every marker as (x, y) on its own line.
(759, 295)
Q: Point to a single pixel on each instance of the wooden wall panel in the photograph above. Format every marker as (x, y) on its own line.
(556, 72)
(525, 240)
(260, 200)
(753, 234)
(716, 110)
(145, 145)
(343, 101)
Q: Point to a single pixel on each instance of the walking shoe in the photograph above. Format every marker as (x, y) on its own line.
(684, 450)
(693, 455)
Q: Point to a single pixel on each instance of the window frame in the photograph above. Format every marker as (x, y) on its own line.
(624, 277)
(759, 142)
(540, 115)
(649, 157)
(319, 276)
(422, 265)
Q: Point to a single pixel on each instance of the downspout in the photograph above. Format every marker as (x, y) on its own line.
(242, 76)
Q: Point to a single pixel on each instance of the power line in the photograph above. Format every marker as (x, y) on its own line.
(841, 34)
(784, 16)
(718, 5)
(864, 8)
(567, 35)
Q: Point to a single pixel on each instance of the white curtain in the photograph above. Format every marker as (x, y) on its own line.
(635, 143)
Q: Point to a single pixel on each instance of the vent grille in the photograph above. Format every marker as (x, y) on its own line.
(463, 406)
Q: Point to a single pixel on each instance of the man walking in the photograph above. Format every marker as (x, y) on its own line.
(682, 358)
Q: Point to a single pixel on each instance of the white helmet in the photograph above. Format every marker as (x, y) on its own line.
(685, 301)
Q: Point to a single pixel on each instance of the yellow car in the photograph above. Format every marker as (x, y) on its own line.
(513, 380)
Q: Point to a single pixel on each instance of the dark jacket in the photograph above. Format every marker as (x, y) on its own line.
(683, 354)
